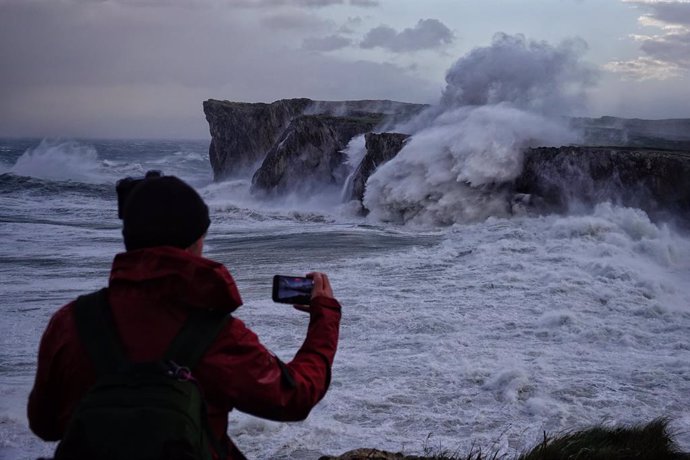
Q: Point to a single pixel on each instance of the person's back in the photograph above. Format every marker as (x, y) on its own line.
(153, 288)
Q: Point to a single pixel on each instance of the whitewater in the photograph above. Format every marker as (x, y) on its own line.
(485, 333)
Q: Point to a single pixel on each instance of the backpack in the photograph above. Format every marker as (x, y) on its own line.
(146, 411)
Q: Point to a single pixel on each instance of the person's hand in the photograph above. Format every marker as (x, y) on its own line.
(322, 288)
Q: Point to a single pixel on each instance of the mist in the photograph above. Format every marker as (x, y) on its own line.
(498, 101)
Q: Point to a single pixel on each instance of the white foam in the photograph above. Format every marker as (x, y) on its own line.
(488, 333)
(499, 331)
(499, 100)
(444, 173)
(355, 151)
(60, 161)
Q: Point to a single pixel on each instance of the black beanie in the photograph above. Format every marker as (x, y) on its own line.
(163, 211)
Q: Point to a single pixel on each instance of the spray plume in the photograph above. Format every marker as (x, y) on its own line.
(499, 100)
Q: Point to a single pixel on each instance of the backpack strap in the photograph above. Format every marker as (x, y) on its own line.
(199, 331)
(188, 347)
(96, 329)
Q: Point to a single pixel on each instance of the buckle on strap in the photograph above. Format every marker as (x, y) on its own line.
(180, 373)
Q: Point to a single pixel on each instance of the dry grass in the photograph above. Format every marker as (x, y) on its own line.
(652, 441)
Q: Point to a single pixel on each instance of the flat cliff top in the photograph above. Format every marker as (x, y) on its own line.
(316, 107)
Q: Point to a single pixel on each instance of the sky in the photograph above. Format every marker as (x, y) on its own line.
(142, 68)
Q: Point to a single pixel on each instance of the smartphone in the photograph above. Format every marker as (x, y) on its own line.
(294, 290)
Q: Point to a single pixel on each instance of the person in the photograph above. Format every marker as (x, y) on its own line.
(153, 286)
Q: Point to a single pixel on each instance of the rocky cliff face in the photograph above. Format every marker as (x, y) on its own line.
(243, 133)
(380, 149)
(309, 154)
(566, 178)
(656, 181)
(296, 145)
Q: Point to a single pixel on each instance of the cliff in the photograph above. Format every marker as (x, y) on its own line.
(561, 179)
(650, 179)
(297, 146)
(309, 154)
(380, 148)
(243, 133)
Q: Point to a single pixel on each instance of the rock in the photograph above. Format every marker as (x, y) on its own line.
(380, 149)
(309, 154)
(298, 144)
(242, 133)
(559, 179)
(368, 454)
(653, 180)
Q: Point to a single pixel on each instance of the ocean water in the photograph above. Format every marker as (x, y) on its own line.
(485, 333)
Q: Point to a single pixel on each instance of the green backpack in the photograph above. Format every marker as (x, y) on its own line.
(146, 411)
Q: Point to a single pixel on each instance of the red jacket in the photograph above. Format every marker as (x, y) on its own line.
(151, 292)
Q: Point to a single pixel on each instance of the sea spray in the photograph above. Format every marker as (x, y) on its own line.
(530, 75)
(451, 171)
(354, 154)
(499, 100)
(59, 161)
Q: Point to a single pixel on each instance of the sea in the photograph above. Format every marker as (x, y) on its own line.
(481, 334)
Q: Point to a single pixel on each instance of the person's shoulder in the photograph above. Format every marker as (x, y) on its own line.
(63, 318)
(235, 329)
(61, 327)
(63, 313)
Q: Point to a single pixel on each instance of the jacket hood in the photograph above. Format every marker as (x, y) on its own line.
(193, 280)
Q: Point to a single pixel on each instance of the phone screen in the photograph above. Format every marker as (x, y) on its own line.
(292, 289)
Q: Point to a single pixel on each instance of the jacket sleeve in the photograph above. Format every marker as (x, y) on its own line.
(253, 380)
(43, 411)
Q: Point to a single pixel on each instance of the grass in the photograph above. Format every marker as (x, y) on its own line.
(651, 441)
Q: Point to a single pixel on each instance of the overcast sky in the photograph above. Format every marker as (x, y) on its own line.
(141, 68)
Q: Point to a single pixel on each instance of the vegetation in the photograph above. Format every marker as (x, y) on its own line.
(643, 442)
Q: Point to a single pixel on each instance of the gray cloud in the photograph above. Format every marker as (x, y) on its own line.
(257, 4)
(298, 20)
(383, 36)
(667, 54)
(644, 68)
(673, 48)
(526, 74)
(364, 3)
(350, 25)
(302, 3)
(427, 34)
(89, 68)
(330, 43)
(275, 3)
(670, 12)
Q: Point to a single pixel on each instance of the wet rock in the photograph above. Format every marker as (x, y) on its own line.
(564, 178)
(368, 454)
(380, 149)
(309, 154)
(243, 133)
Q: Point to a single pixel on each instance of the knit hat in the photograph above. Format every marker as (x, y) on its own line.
(163, 211)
